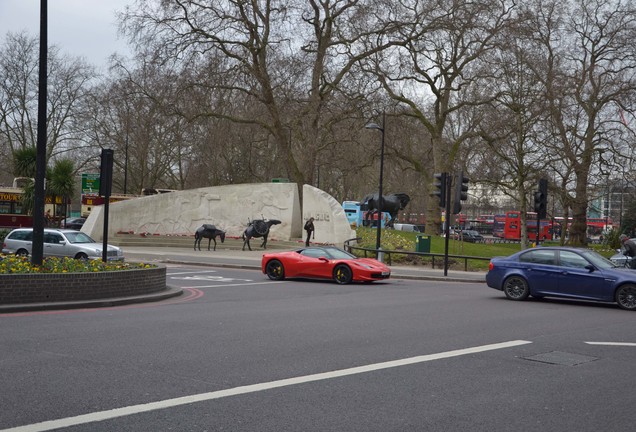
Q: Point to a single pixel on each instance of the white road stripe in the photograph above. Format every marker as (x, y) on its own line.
(193, 271)
(228, 285)
(612, 343)
(169, 403)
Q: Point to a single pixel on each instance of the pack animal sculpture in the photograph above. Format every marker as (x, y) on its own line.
(258, 228)
(210, 232)
(391, 204)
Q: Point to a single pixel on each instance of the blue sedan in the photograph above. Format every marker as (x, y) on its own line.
(562, 272)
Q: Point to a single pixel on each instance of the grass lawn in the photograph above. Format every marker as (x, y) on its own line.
(402, 240)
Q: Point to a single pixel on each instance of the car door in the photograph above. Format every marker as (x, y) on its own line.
(575, 280)
(53, 244)
(314, 263)
(541, 270)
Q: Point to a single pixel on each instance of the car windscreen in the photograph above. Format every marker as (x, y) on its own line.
(78, 237)
(598, 260)
(335, 253)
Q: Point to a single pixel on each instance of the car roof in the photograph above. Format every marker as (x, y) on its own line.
(564, 248)
(60, 230)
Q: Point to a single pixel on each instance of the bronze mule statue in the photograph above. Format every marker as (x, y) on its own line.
(210, 232)
(258, 228)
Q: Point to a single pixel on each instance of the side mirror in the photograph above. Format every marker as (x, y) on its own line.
(590, 267)
(322, 258)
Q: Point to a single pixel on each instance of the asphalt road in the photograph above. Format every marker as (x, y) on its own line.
(238, 352)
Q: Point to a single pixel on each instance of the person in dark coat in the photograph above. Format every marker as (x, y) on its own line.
(309, 227)
(629, 249)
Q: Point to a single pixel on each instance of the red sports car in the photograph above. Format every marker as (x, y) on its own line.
(323, 263)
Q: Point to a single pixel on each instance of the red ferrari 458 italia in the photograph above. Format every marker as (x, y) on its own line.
(323, 263)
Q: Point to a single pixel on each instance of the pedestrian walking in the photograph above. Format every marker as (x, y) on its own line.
(309, 227)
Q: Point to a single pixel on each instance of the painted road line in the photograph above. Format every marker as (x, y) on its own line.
(612, 343)
(202, 397)
(193, 271)
(239, 284)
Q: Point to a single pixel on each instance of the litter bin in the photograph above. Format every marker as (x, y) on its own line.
(423, 243)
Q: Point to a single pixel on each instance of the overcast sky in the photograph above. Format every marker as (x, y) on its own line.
(85, 28)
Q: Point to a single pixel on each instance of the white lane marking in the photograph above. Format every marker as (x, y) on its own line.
(612, 343)
(209, 278)
(228, 285)
(185, 400)
(193, 271)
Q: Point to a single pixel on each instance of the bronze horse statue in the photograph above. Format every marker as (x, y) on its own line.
(258, 228)
(390, 203)
(210, 232)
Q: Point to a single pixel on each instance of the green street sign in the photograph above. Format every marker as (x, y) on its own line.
(90, 183)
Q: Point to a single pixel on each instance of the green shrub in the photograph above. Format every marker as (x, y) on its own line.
(3, 234)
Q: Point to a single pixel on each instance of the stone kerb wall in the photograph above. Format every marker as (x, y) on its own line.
(228, 207)
(48, 287)
(330, 221)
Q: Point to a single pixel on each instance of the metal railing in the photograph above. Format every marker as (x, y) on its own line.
(389, 253)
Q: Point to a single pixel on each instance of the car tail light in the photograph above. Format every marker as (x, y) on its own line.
(490, 266)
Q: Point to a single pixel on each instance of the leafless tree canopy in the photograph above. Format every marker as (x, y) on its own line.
(237, 91)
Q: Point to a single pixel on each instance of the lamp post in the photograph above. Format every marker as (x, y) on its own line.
(379, 221)
(126, 162)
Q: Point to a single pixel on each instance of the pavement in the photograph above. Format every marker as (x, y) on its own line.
(222, 257)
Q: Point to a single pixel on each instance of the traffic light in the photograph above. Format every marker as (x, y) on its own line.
(440, 185)
(106, 173)
(461, 192)
(541, 199)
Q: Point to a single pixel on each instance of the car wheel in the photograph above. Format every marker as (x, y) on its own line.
(516, 288)
(81, 256)
(342, 274)
(626, 297)
(22, 252)
(275, 270)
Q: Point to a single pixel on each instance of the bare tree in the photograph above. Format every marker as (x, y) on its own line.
(588, 71)
(69, 82)
(289, 57)
(444, 43)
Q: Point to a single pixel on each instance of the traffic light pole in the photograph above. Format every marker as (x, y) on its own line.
(447, 190)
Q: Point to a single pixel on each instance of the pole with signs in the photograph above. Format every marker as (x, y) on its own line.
(105, 186)
(37, 251)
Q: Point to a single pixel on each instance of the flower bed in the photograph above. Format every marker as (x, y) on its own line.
(57, 281)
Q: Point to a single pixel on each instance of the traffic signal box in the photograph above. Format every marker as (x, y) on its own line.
(106, 173)
(461, 192)
(541, 199)
(440, 188)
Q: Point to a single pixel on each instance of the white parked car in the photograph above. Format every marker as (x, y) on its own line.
(59, 243)
(406, 227)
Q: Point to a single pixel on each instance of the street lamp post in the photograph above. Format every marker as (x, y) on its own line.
(379, 220)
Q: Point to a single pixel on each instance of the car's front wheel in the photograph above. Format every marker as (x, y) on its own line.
(516, 288)
(342, 274)
(626, 297)
(81, 256)
(275, 270)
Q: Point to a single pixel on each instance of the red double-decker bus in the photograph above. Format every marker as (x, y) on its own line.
(595, 226)
(508, 226)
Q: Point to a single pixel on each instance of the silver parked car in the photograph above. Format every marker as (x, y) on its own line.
(59, 243)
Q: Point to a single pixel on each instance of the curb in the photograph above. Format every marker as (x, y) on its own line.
(169, 292)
